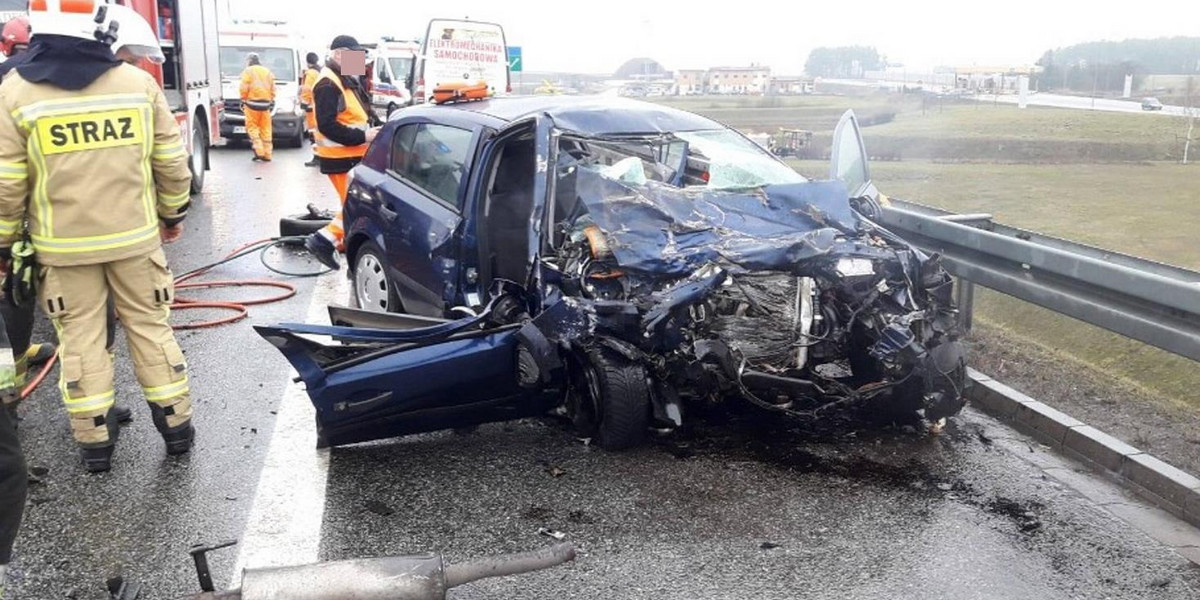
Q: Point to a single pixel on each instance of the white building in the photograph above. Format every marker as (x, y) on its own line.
(739, 80)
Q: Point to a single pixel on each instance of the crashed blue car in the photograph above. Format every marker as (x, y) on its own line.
(622, 263)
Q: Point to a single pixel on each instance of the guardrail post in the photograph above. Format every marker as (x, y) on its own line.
(966, 304)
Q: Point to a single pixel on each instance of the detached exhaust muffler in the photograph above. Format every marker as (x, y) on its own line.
(388, 578)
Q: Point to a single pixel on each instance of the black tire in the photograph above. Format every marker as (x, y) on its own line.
(612, 401)
(199, 144)
(391, 108)
(365, 252)
(297, 141)
(300, 225)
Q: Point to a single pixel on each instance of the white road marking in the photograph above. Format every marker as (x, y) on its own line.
(284, 526)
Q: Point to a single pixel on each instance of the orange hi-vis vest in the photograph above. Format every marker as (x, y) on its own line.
(352, 114)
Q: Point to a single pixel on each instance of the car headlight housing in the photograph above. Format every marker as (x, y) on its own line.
(286, 105)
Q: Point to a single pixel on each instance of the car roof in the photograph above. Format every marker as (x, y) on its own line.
(595, 115)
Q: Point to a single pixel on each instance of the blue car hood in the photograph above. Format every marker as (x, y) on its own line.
(664, 230)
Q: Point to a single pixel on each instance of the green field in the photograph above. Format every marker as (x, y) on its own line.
(959, 131)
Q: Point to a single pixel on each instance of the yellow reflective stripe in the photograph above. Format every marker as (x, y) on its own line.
(41, 199)
(148, 187)
(8, 227)
(14, 170)
(169, 151)
(94, 243)
(174, 200)
(89, 403)
(26, 115)
(166, 392)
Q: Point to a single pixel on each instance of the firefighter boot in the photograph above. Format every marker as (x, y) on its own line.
(97, 455)
(122, 414)
(179, 437)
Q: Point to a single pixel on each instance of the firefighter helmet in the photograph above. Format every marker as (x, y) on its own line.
(134, 35)
(16, 33)
(85, 19)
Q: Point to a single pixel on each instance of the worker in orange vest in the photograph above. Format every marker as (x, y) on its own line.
(311, 74)
(344, 131)
(258, 99)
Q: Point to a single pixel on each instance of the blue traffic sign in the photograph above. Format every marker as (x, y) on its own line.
(514, 59)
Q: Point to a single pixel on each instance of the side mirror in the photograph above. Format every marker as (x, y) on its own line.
(848, 160)
(384, 78)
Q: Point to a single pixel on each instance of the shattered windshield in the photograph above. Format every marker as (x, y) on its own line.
(717, 159)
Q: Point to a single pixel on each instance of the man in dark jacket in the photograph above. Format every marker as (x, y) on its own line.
(345, 128)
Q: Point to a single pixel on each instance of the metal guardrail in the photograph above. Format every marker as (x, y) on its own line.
(1152, 302)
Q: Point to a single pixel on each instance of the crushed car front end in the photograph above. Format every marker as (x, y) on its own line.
(767, 287)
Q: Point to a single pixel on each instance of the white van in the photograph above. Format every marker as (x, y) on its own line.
(281, 53)
(393, 71)
(456, 51)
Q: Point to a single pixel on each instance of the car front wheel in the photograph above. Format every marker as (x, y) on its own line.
(373, 290)
(610, 400)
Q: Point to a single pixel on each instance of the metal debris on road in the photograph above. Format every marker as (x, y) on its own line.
(550, 533)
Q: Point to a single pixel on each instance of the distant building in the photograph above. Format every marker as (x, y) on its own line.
(991, 78)
(739, 80)
(691, 81)
(641, 68)
(790, 86)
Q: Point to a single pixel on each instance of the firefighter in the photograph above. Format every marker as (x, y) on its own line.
(258, 99)
(344, 130)
(311, 74)
(94, 146)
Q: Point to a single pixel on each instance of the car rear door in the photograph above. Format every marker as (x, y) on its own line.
(427, 375)
(422, 200)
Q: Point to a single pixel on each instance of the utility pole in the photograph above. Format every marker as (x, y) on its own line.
(1191, 113)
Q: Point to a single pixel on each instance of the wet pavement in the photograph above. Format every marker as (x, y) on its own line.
(141, 518)
(748, 508)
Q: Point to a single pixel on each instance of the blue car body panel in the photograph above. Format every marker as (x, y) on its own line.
(387, 391)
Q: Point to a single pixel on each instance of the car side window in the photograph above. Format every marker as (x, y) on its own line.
(431, 157)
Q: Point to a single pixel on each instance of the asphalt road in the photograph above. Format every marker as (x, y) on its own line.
(745, 508)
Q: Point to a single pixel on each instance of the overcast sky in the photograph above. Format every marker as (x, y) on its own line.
(596, 37)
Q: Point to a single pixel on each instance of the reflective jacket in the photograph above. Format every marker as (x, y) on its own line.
(351, 114)
(306, 87)
(258, 87)
(94, 170)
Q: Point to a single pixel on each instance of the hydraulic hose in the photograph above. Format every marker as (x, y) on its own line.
(237, 307)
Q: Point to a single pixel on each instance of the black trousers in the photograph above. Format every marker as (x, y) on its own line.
(14, 479)
(18, 323)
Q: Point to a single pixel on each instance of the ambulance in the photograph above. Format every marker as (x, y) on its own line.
(393, 71)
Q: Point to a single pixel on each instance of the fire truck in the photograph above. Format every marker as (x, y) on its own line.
(191, 75)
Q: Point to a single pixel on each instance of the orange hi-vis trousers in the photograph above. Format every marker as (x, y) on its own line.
(334, 231)
(258, 127)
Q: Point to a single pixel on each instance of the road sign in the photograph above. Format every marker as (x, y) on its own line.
(515, 64)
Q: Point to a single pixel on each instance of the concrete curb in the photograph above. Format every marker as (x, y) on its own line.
(1156, 481)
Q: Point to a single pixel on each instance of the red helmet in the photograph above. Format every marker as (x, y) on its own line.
(16, 33)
